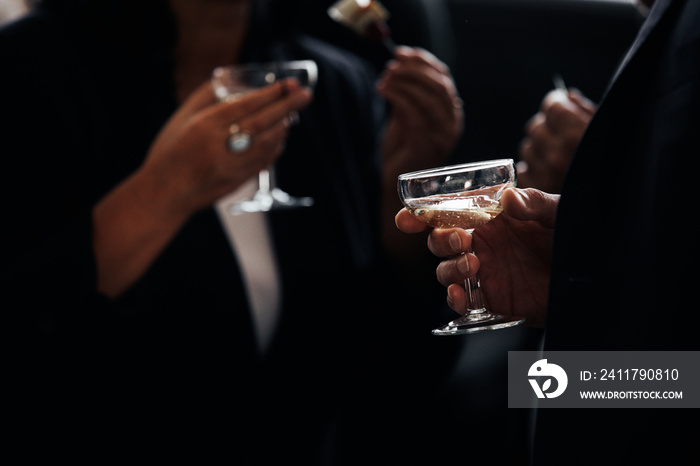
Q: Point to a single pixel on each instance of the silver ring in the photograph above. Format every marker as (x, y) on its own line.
(238, 140)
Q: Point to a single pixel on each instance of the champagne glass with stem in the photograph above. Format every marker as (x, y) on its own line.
(462, 196)
(231, 82)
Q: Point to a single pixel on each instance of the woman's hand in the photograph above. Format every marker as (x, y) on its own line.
(190, 159)
(187, 168)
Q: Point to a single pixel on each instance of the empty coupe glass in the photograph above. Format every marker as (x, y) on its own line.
(230, 82)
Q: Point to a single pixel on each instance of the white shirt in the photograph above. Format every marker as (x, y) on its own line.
(250, 238)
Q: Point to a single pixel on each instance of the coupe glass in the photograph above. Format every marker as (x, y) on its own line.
(462, 196)
(231, 82)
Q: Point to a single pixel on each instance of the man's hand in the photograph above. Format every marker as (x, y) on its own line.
(512, 254)
(551, 138)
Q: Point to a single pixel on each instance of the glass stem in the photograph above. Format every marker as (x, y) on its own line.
(475, 298)
(264, 181)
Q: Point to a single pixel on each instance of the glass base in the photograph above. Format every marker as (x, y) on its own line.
(265, 201)
(477, 322)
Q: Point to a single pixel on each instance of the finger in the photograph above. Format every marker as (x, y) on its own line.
(457, 269)
(275, 113)
(412, 113)
(425, 78)
(532, 165)
(457, 298)
(449, 242)
(408, 223)
(420, 55)
(419, 106)
(530, 204)
(583, 102)
(533, 148)
(564, 110)
(525, 151)
(420, 68)
(269, 144)
(563, 116)
(553, 96)
(429, 95)
(535, 120)
(542, 137)
(256, 99)
(202, 97)
(267, 123)
(559, 112)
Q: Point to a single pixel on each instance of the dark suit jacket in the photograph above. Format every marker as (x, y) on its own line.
(625, 248)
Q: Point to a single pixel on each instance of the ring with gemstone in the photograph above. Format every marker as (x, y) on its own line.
(238, 140)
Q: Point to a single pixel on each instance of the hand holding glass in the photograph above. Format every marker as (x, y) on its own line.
(229, 83)
(462, 196)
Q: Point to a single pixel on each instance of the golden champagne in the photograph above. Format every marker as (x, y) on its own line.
(463, 210)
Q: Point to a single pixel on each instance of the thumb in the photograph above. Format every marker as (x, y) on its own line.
(531, 204)
(202, 97)
(584, 103)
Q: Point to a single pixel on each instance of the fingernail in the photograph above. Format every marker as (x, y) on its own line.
(392, 65)
(288, 85)
(306, 95)
(402, 50)
(520, 196)
(455, 242)
(463, 264)
(450, 301)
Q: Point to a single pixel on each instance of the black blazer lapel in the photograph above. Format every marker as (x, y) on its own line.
(658, 11)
